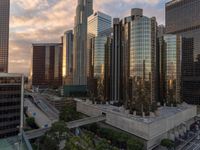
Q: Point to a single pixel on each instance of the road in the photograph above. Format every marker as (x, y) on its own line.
(70, 125)
(40, 117)
(44, 105)
(194, 145)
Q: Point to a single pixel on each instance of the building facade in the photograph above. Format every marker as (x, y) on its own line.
(47, 65)
(116, 62)
(4, 34)
(99, 23)
(80, 54)
(182, 18)
(143, 61)
(67, 62)
(98, 26)
(11, 104)
(172, 66)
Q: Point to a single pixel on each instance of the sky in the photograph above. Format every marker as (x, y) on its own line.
(34, 21)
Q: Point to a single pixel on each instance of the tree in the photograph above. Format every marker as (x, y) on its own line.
(104, 145)
(59, 130)
(69, 114)
(134, 144)
(31, 122)
(54, 136)
(167, 143)
(49, 143)
(83, 142)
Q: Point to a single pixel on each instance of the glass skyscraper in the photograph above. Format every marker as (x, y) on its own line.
(99, 25)
(4, 34)
(182, 18)
(172, 66)
(143, 60)
(67, 62)
(99, 55)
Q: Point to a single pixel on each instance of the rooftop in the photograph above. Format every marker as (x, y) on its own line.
(10, 75)
(163, 112)
(172, 2)
(46, 44)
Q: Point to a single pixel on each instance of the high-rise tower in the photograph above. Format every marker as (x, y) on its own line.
(143, 60)
(4, 34)
(67, 62)
(83, 11)
(182, 18)
(99, 27)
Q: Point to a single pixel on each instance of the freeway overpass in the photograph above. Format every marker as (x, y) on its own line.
(73, 124)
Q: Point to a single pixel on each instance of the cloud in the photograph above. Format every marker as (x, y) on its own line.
(46, 20)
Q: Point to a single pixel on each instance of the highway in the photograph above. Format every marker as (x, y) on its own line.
(36, 133)
(40, 117)
(70, 125)
(85, 121)
(47, 108)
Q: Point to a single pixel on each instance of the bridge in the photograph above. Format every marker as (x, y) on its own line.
(70, 125)
(36, 133)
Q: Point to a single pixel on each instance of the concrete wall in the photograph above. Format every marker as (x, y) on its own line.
(153, 132)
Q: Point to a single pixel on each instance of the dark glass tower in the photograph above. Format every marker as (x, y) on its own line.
(4, 34)
(116, 62)
(47, 65)
(182, 18)
(11, 104)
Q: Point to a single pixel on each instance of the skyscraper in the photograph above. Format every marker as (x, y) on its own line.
(67, 62)
(133, 61)
(116, 62)
(172, 66)
(4, 34)
(11, 104)
(47, 65)
(80, 54)
(182, 18)
(143, 60)
(99, 25)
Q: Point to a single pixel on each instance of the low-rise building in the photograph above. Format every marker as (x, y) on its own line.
(167, 122)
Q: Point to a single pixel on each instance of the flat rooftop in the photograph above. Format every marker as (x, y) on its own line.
(163, 112)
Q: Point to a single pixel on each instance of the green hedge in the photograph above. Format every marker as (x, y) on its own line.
(118, 139)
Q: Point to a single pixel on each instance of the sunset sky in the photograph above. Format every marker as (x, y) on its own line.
(46, 20)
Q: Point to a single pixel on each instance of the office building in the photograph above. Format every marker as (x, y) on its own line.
(80, 54)
(11, 104)
(172, 45)
(161, 31)
(143, 61)
(99, 28)
(67, 62)
(47, 65)
(126, 37)
(4, 34)
(182, 18)
(99, 25)
(107, 67)
(115, 62)
(133, 62)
